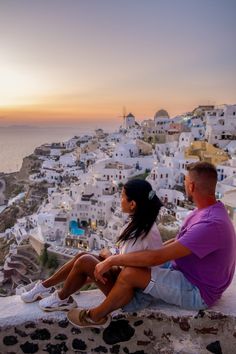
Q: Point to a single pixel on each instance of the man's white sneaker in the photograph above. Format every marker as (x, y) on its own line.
(54, 303)
(38, 292)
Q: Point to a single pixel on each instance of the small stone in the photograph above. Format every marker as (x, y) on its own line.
(148, 333)
(41, 334)
(79, 344)
(152, 316)
(143, 342)
(166, 336)
(118, 331)
(29, 348)
(10, 340)
(216, 316)
(200, 314)
(56, 348)
(184, 325)
(214, 347)
(63, 323)
(119, 316)
(206, 330)
(100, 349)
(50, 322)
(175, 319)
(138, 323)
(30, 325)
(75, 330)
(20, 333)
(115, 349)
(96, 330)
(61, 336)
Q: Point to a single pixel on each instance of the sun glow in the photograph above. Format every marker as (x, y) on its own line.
(18, 86)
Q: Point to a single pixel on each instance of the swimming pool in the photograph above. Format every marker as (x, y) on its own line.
(74, 229)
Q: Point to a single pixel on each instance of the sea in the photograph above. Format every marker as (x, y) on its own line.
(18, 141)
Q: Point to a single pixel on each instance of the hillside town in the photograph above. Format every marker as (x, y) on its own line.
(73, 198)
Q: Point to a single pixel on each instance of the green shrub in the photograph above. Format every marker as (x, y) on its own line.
(52, 261)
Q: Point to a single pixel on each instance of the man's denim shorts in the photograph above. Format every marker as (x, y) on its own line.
(169, 285)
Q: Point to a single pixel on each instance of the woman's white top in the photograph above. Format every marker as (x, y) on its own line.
(151, 241)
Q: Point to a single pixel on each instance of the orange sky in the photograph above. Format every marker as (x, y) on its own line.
(97, 111)
(85, 60)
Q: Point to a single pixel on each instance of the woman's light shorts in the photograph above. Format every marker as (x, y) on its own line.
(169, 285)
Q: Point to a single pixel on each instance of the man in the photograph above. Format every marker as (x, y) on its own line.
(202, 254)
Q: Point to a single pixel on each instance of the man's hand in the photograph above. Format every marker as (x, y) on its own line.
(101, 268)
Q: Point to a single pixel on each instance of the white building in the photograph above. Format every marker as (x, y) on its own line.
(162, 121)
(53, 226)
(229, 201)
(226, 185)
(170, 171)
(171, 196)
(226, 169)
(231, 148)
(125, 150)
(110, 170)
(166, 149)
(221, 125)
(185, 140)
(67, 160)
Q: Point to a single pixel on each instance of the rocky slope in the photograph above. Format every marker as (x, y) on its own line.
(15, 183)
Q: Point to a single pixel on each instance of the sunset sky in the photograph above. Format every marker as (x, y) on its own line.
(87, 59)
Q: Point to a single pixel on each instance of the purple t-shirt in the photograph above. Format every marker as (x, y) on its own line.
(210, 235)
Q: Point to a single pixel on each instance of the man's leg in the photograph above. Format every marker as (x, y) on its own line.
(122, 292)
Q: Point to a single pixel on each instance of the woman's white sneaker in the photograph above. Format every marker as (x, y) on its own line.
(38, 292)
(54, 303)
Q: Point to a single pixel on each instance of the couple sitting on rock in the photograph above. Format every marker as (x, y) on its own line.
(191, 270)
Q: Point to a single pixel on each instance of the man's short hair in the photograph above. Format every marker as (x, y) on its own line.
(203, 169)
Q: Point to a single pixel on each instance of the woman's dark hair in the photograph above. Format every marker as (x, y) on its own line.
(146, 211)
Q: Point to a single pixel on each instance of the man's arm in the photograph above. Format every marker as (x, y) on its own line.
(148, 258)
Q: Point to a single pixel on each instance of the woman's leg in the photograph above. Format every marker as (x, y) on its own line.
(82, 268)
(62, 273)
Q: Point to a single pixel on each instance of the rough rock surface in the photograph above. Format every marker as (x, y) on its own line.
(161, 329)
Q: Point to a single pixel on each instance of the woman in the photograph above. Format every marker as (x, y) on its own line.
(141, 203)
